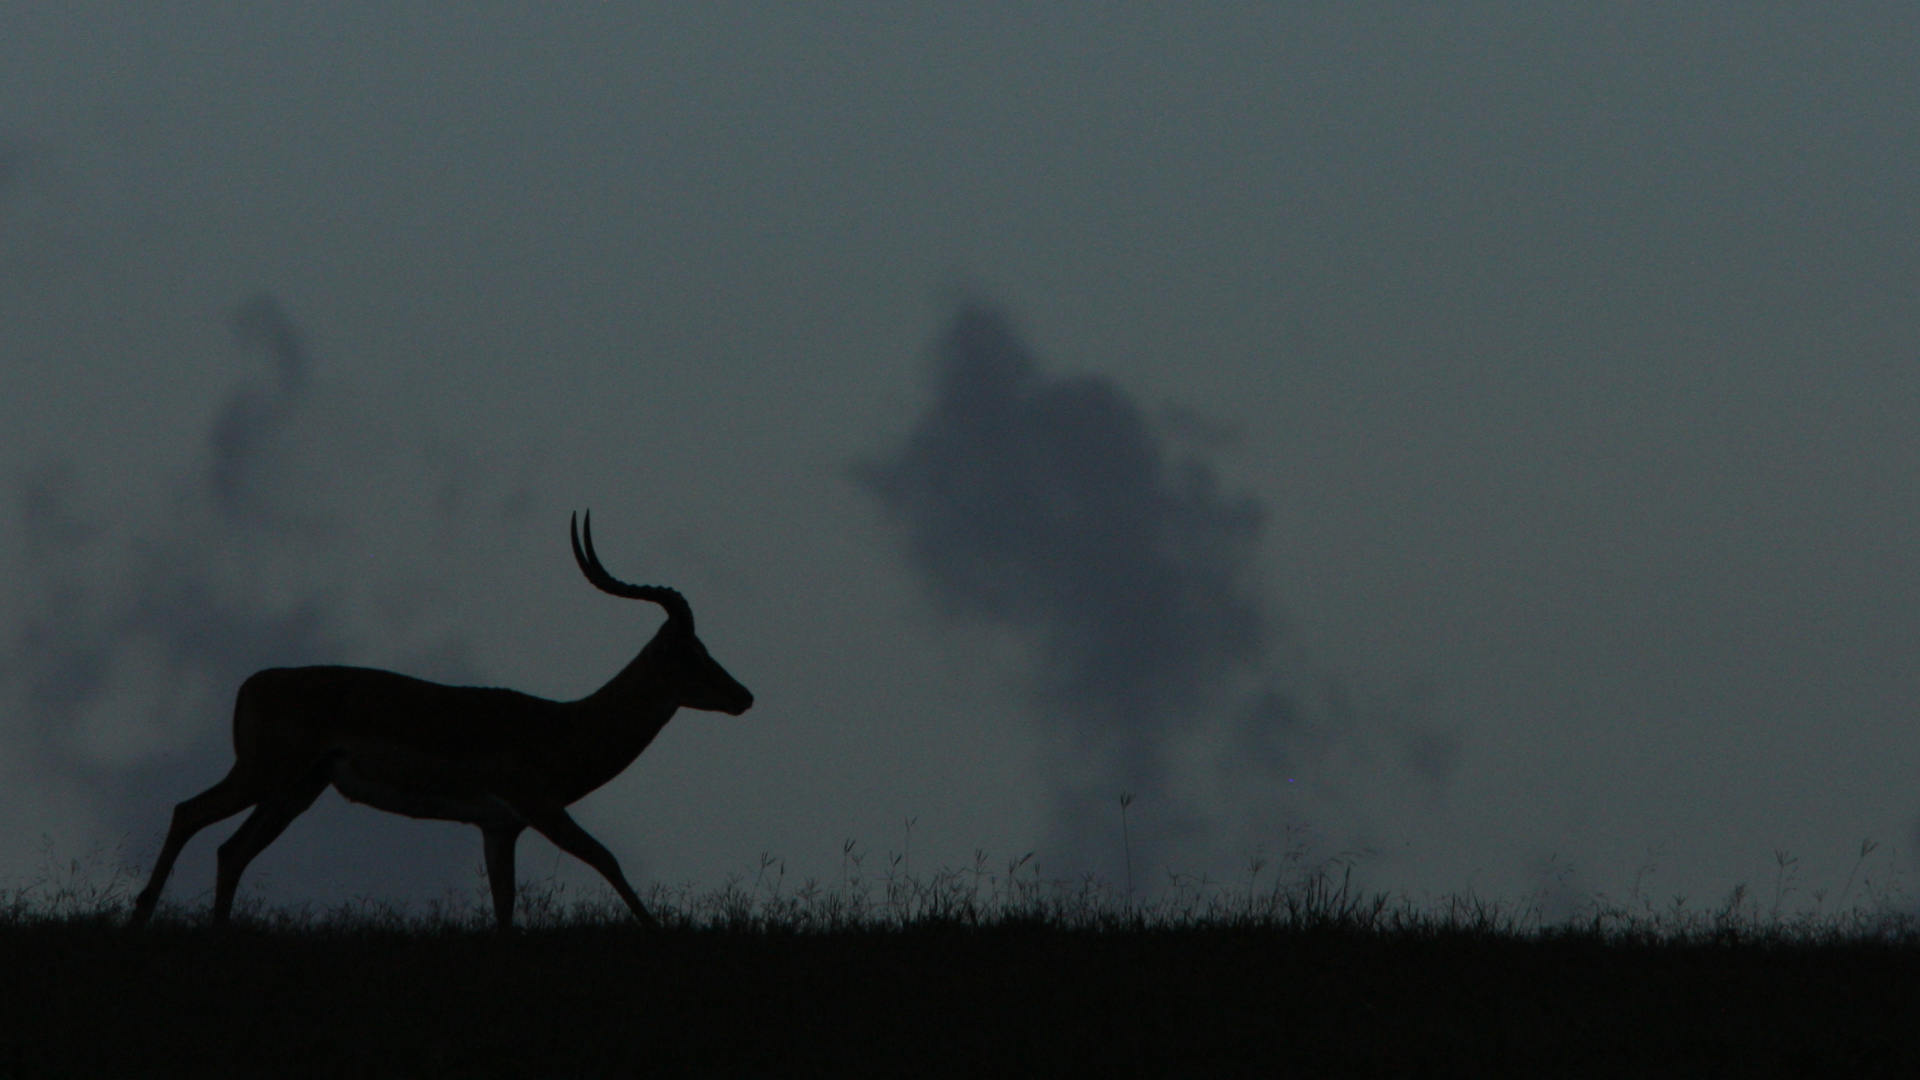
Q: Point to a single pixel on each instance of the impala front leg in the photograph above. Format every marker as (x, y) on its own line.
(557, 825)
(499, 842)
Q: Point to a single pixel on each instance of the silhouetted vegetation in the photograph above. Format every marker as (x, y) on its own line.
(986, 968)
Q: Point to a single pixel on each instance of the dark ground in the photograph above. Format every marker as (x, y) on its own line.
(86, 998)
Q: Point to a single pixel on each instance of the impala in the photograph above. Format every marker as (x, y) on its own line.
(495, 758)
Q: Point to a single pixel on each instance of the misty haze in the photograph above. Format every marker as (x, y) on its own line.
(1479, 441)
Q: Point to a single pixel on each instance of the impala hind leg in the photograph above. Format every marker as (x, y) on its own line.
(499, 843)
(557, 825)
(217, 803)
(267, 822)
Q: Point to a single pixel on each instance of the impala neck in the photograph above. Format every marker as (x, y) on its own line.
(620, 719)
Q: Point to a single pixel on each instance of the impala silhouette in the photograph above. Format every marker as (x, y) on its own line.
(495, 758)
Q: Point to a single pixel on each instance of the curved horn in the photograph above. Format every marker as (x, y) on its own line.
(676, 605)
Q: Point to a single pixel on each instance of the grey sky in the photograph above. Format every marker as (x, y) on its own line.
(1569, 353)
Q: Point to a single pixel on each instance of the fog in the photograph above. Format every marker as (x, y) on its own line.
(1478, 439)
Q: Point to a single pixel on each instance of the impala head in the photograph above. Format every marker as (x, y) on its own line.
(696, 678)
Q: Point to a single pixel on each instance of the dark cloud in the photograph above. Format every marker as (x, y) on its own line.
(133, 636)
(255, 417)
(52, 662)
(1052, 506)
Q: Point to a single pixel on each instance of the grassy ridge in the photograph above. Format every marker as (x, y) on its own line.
(949, 975)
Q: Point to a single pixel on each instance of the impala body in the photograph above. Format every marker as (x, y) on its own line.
(499, 759)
